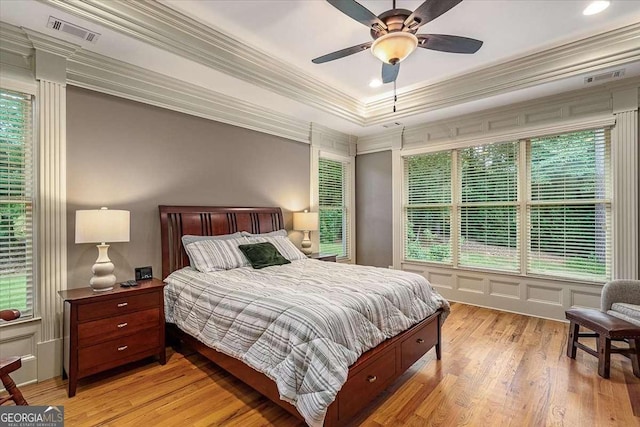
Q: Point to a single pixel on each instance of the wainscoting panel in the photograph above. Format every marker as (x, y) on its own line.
(21, 339)
(440, 280)
(501, 288)
(532, 296)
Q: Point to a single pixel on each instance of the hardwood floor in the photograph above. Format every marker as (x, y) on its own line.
(497, 369)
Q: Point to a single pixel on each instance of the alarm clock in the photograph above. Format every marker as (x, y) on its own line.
(144, 273)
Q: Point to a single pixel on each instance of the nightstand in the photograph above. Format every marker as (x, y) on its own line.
(103, 330)
(323, 257)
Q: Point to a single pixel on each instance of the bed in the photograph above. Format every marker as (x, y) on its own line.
(364, 379)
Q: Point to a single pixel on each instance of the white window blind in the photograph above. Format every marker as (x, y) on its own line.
(488, 208)
(569, 211)
(16, 202)
(427, 181)
(333, 207)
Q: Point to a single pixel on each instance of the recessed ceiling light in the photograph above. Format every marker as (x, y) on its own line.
(596, 7)
(375, 83)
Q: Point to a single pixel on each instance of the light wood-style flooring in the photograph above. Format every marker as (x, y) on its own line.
(497, 369)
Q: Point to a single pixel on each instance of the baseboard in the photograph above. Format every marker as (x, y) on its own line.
(49, 359)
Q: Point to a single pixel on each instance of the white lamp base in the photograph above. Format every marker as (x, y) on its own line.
(306, 244)
(103, 278)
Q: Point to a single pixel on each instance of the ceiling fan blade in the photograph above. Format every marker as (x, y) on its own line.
(428, 11)
(342, 53)
(356, 11)
(447, 43)
(390, 72)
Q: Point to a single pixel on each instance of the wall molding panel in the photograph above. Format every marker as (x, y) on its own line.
(626, 186)
(548, 298)
(52, 206)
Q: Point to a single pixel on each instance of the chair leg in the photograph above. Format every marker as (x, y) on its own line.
(13, 391)
(604, 356)
(634, 355)
(574, 329)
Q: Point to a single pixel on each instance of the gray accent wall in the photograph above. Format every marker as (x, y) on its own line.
(128, 155)
(374, 229)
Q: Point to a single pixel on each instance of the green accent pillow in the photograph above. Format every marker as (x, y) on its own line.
(262, 255)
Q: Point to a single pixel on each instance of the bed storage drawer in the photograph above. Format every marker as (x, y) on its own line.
(418, 343)
(366, 383)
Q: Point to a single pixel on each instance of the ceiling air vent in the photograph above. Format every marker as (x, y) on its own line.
(391, 125)
(599, 78)
(74, 30)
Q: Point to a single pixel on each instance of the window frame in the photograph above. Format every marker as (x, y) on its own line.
(522, 203)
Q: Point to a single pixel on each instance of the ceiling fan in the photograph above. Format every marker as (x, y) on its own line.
(394, 34)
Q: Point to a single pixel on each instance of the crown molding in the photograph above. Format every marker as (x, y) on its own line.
(607, 49)
(161, 26)
(97, 72)
(50, 44)
(14, 40)
(571, 109)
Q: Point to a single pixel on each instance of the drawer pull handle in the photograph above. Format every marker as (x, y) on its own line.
(420, 341)
(124, 347)
(372, 378)
(122, 325)
(123, 304)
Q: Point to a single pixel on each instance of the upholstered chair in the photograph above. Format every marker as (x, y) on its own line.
(621, 298)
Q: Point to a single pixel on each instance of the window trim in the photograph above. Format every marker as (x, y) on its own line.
(349, 162)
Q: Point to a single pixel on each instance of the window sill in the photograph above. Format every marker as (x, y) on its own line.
(20, 321)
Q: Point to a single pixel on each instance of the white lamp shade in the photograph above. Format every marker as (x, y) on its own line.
(394, 46)
(305, 221)
(102, 225)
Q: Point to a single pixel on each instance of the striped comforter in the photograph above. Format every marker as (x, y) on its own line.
(302, 324)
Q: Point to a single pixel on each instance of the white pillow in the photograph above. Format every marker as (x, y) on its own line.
(188, 238)
(216, 255)
(269, 234)
(282, 243)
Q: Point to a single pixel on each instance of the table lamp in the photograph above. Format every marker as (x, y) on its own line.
(101, 226)
(306, 222)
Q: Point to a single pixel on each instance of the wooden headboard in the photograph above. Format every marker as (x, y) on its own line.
(176, 221)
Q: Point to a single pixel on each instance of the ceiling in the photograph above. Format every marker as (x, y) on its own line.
(288, 34)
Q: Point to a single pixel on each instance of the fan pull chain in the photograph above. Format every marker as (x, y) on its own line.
(395, 96)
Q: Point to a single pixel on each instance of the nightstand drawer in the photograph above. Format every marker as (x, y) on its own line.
(121, 305)
(97, 331)
(114, 351)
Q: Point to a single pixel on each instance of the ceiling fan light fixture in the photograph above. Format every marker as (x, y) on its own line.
(596, 7)
(394, 47)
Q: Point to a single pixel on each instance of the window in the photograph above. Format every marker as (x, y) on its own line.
(472, 200)
(16, 202)
(333, 206)
(569, 210)
(428, 207)
(488, 213)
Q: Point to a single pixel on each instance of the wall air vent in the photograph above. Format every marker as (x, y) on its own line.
(74, 30)
(604, 77)
(391, 125)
